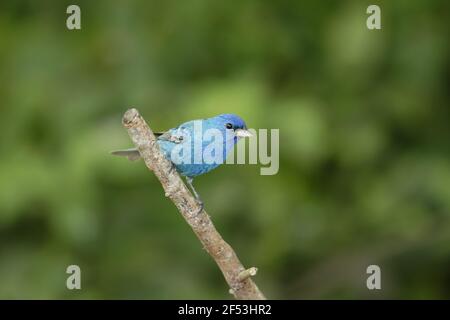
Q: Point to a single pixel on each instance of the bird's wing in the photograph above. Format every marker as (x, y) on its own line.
(167, 136)
(176, 135)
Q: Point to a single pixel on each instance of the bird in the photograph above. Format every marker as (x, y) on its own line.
(188, 137)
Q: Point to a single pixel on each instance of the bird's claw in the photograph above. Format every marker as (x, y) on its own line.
(172, 168)
(201, 205)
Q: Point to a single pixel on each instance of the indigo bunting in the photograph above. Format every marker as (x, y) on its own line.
(198, 146)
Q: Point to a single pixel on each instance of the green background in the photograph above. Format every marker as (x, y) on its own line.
(364, 147)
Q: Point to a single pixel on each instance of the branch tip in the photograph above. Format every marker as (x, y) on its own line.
(129, 117)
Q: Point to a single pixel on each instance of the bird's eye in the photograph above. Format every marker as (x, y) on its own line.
(229, 126)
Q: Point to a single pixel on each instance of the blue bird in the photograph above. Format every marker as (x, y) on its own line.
(198, 146)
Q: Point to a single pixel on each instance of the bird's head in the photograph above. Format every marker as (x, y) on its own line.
(233, 124)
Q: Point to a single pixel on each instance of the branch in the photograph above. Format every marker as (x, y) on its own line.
(241, 285)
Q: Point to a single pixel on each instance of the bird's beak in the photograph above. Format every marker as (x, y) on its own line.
(242, 133)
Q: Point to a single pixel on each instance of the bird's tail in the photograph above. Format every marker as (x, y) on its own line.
(132, 154)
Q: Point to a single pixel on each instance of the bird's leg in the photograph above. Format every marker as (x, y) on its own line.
(196, 195)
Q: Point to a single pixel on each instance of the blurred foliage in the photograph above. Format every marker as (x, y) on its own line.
(364, 154)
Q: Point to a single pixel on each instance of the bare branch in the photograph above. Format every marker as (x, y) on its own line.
(200, 222)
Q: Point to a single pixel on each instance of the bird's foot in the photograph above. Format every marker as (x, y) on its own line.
(196, 195)
(172, 168)
(201, 206)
